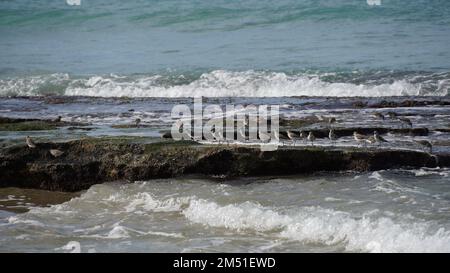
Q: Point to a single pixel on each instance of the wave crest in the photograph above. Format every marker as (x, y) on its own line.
(222, 83)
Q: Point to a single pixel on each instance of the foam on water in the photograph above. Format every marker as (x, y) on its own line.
(72, 247)
(324, 226)
(117, 213)
(219, 83)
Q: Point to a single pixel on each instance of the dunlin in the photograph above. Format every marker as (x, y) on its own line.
(331, 120)
(311, 137)
(359, 137)
(215, 133)
(371, 140)
(242, 133)
(378, 115)
(275, 135)
(425, 143)
(392, 115)
(406, 121)
(30, 142)
(56, 152)
(378, 138)
(332, 136)
(303, 135)
(291, 136)
(264, 137)
(137, 122)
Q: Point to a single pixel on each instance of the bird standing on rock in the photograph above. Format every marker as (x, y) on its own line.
(378, 138)
(291, 136)
(332, 136)
(371, 140)
(303, 135)
(242, 134)
(137, 122)
(56, 152)
(406, 121)
(331, 120)
(425, 143)
(30, 142)
(264, 137)
(378, 115)
(359, 137)
(392, 115)
(311, 137)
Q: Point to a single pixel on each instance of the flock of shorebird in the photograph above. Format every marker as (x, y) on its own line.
(267, 137)
(32, 145)
(361, 139)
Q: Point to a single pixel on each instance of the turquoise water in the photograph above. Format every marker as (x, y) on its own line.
(181, 41)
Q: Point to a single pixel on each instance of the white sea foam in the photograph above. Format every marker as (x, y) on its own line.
(144, 201)
(118, 232)
(72, 247)
(324, 226)
(372, 231)
(165, 234)
(219, 83)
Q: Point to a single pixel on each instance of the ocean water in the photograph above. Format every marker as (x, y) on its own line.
(384, 211)
(108, 62)
(225, 48)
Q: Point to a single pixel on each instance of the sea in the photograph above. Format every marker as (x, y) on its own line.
(108, 62)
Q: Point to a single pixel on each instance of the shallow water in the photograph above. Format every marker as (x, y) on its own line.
(384, 211)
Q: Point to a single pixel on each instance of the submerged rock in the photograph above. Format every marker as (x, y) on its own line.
(17, 124)
(91, 161)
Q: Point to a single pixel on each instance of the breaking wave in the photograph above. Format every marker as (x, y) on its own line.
(221, 83)
(324, 226)
(372, 231)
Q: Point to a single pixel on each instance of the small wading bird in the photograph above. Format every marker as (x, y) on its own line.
(311, 137)
(392, 115)
(30, 142)
(137, 122)
(276, 135)
(425, 143)
(58, 119)
(371, 140)
(378, 115)
(406, 121)
(291, 136)
(378, 138)
(242, 134)
(331, 121)
(332, 136)
(179, 125)
(303, 136)
(359, 137)
(217, 134)
(264, 137)
(56, 152)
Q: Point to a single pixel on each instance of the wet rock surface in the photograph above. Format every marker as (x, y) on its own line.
(92, 161)
(21, 124)
(102, 140)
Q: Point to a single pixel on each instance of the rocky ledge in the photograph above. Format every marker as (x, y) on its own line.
(91, 161)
